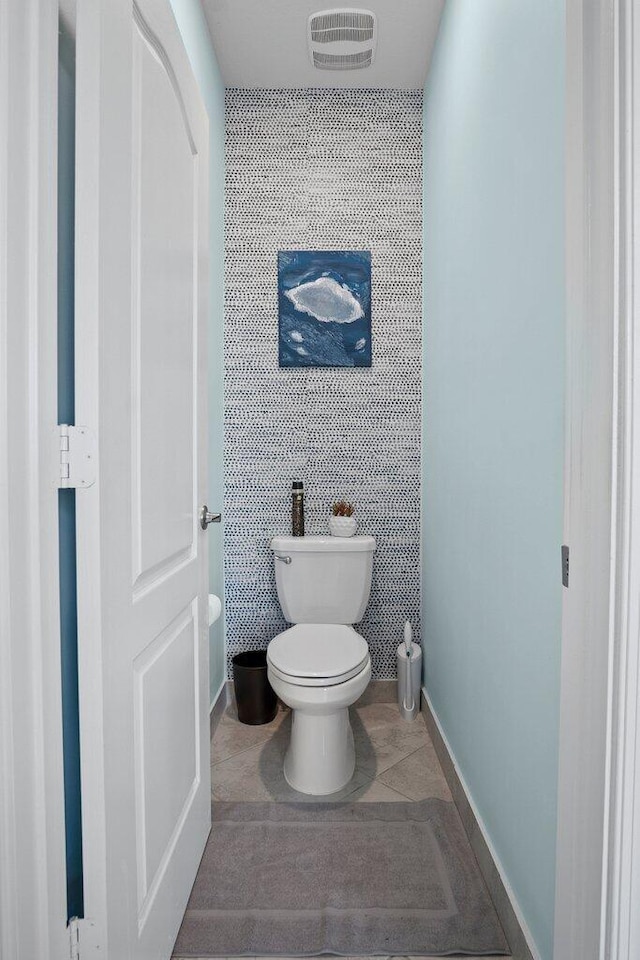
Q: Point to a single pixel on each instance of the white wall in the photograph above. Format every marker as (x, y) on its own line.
(493, 420)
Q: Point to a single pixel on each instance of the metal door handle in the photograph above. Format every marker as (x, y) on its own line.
(283, 559)
(206, 518)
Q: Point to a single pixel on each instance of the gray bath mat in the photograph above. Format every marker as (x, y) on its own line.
(351, 879)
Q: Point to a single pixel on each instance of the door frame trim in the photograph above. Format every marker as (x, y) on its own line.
(33, 865)
(585, 694)
(598, 850)
(621, 880)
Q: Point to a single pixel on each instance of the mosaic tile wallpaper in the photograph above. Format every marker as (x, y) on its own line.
(322, 170)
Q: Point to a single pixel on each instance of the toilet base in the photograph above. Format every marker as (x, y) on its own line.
(321, 756)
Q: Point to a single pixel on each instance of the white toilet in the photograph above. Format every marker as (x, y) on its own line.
(320, 666)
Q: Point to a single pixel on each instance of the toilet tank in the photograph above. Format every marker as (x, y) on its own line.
(328, 579)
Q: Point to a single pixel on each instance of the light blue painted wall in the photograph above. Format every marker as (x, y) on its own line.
(197, 40)
(493, 420)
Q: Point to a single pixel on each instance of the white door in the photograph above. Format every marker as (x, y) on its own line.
(141, 306)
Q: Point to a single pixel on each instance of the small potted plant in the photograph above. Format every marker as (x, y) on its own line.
(342, 522)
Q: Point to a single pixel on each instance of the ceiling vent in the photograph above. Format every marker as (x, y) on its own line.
(342, 39)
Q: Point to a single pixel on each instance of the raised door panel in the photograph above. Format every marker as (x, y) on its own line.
(167, 761)
(165, 275)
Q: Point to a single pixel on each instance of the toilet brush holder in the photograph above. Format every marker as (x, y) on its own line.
(409, 680)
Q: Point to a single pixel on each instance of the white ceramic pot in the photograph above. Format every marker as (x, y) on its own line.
(342, 526)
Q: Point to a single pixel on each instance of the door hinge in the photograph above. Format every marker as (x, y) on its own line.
(74, 938)
(565, 565)
(77, 456)
(82, 939)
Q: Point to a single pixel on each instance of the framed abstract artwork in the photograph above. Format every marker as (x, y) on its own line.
(324, 303)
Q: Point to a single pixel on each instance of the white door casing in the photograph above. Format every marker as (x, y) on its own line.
(621, 919)
(141, 306)
(589, 688)
(32, 850)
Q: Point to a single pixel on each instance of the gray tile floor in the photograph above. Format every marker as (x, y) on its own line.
(395, 760)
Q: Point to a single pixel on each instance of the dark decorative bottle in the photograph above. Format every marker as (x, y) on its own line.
(297, 508)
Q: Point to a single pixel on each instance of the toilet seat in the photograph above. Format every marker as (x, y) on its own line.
(317, 654)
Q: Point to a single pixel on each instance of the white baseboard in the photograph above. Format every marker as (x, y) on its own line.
(216, 697)
(515, 906)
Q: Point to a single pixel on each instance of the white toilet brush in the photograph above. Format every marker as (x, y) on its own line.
(408, 646)
(409, 667)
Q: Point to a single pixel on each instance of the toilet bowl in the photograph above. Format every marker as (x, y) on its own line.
(321, 666)
(320, 758)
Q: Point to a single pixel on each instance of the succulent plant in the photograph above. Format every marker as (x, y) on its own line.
(341, 508)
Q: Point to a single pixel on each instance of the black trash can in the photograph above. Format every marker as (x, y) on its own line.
(255, 699)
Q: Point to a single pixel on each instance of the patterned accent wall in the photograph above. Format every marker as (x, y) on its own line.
(322, 170)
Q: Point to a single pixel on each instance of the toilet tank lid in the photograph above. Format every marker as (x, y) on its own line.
(325, 544)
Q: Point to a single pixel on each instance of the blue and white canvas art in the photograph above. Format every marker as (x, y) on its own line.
(324, 301)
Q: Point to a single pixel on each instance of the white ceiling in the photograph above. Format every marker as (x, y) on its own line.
(263, 43)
